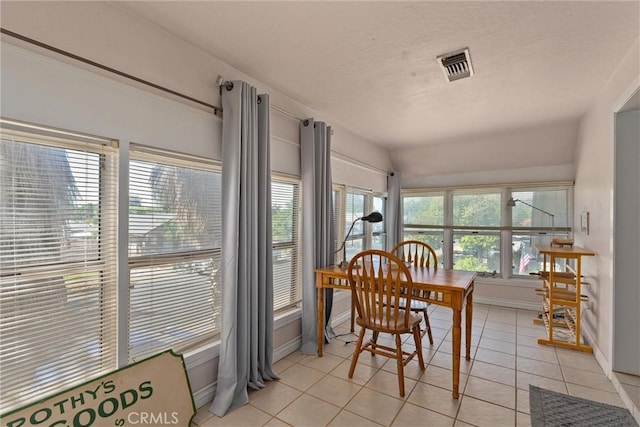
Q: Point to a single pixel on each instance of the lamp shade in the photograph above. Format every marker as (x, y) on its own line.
(511, 203)
(373, 217)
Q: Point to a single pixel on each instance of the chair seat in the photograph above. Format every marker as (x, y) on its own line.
(394, 327)
(416, 305)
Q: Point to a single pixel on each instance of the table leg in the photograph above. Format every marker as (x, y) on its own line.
(468, 320)
(353, 314)
(320, 320)
(457, 320)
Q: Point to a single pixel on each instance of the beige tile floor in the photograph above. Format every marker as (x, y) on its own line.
(494, 385)
(631, 385)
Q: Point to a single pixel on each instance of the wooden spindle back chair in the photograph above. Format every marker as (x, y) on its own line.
(379, 280)
(419, 254)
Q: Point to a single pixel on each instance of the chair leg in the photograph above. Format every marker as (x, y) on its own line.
(417, 339)
(375, 341)
(353, 314)
(356, 353)
(428, 326)
(400, 360)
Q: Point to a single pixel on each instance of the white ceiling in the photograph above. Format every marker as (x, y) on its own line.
(371, 66)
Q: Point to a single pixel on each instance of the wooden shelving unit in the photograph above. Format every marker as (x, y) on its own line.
(562, 297)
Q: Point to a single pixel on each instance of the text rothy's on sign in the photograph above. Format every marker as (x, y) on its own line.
(152, 392)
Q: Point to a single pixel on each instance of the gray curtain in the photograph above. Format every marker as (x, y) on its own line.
(318, 234)
(393, 216)
(246, 348)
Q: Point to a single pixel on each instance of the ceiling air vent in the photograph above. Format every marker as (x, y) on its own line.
(456, 65)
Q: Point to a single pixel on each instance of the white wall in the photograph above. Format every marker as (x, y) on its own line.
(46, 91)
(594, 193)
(542, 153)
(105, 33)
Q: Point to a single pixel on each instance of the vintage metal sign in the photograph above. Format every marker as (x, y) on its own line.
(152, 392)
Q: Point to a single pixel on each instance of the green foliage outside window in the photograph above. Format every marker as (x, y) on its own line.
(282, 223)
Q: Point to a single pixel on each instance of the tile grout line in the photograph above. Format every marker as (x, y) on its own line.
(516, 375)
(481, 323)
(463, 395)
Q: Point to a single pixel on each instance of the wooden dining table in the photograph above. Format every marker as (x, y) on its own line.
(447, 288)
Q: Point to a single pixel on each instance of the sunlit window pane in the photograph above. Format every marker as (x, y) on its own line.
(477, 209)
(476, 252)
(427, 210)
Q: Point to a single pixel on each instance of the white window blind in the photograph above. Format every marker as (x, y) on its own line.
(174, 251)
(57, 260)
(532, 227)
(287, 285)
(379, 229)
(355, 206)
(337, 198)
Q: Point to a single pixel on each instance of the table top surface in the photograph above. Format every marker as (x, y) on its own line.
(560, 250)
(447, 279)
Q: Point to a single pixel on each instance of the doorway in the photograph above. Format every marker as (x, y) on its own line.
(626, 293)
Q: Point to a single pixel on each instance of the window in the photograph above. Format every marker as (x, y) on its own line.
(287, 285)
(59, 298)
(424, 219)
(174, 251)
(476, 230)
(350, 205)
(539, 215)
(379, 229)
(467, 227)
(355, 206)
(57, 260)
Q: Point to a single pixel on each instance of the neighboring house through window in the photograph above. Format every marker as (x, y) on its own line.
(174, 251)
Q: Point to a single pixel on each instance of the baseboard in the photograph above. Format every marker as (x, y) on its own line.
(624, 395)
(342, 317)
(507, 303)
(286, 349)
(605, 365)
(205, 395)
(607, 368)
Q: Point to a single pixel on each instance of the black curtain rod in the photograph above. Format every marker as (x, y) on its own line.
(216, 109)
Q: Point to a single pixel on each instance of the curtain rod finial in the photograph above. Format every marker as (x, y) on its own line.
(223, 83)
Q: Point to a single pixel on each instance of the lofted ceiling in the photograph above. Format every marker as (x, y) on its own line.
(371, 66)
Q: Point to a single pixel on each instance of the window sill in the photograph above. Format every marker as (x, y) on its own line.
(210, 351)
(531, 283)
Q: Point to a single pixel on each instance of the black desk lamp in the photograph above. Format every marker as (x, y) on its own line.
(372, 217)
